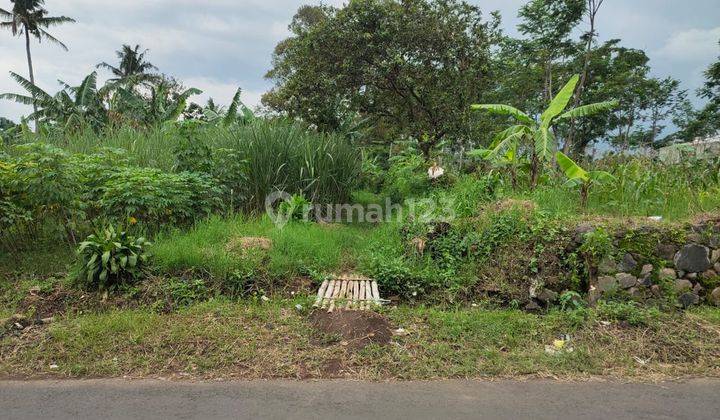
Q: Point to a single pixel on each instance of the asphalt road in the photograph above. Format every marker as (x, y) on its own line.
(119, 399)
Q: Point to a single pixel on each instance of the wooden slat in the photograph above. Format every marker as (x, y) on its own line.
(376, 292)
(328, 294)
(320, 293)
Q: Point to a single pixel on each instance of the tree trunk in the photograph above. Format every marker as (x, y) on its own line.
(593, 8)
(30, 70)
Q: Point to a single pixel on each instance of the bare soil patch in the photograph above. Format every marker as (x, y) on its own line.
(356, 328)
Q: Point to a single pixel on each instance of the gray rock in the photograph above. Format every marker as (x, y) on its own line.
(667, 251)
(607, 266)
(635, 292)
(580, 232)
(667, 274)
(693, 258)
(716, 267)
(698, 288)
(683, 285)
(715, 296)
(715, 256)
(532, 306)
(607, 284)
(691, 276)
(547, 296)
(656, 291)
(626, 280)
(709, 274)
(628, 263)
(688, 299)
(714, 241)
(646, 271)
(695, 238)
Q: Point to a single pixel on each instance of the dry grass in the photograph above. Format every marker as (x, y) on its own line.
(222, 339)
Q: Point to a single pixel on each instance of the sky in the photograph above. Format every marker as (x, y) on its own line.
(220, 45)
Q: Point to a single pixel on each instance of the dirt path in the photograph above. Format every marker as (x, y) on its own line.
(119, 399)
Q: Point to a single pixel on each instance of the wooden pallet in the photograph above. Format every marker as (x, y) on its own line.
(348, 292)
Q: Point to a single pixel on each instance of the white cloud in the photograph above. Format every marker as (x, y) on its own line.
(695, 45)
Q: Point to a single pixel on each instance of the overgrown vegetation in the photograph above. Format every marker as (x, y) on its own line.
(378, 124)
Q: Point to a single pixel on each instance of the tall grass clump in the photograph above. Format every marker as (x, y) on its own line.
(287, 157)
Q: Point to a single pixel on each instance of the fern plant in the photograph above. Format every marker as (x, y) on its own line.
(110, 257)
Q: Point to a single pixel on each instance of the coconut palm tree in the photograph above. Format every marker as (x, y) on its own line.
(28, 17)
(132, 68)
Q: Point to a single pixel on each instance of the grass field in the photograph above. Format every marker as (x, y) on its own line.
(255, 339)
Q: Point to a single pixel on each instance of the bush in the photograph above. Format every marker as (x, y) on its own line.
(108, 258)
(287, 157)
(157, 198)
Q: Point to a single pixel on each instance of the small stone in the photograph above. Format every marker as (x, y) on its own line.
(607, 266)
(667, 274)
(628, 263)
(656, 291)
(666, 251)
(714, 241)
(635, 292)
(715, 256)
(698, 288)
(532, 306)
(646, 271)
(626, 280)
(695, 238)
(46, 321)
(715, 296)
(581, 230)
(693, 258)
(682, 285)
(688, 299)
(716, 267)
(691, 276)
(547, 296)
(709, 274)
(606, 284)
(681, 274)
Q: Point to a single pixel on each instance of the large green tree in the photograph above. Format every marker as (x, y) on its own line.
(29, 18)
(412, 66)
(706, 121)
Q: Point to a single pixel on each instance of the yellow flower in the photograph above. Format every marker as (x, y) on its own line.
(132, 220)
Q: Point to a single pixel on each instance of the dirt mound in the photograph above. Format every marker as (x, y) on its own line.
(45, 305)
(357, 328)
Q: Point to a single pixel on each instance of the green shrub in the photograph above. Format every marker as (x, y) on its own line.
(108, 258)
(631, 312)
(157, 198)
(186, 292)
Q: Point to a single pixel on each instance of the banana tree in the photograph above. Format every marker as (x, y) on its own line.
(237, 112)
(536, 136)
(578, 176)
(509, 160)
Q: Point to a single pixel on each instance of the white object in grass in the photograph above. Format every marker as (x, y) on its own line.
(435, 171)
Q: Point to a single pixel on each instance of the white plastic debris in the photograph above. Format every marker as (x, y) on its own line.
(435, 171)
(54, 366)
(299, 307)
(655, 218)
(264, 298)
(400, 331)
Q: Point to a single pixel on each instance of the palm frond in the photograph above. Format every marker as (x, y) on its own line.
(545, 144)
(559, 103)
(587, 110)
(21, 99)
(44, 34)
(501, 109)
(35, 91)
